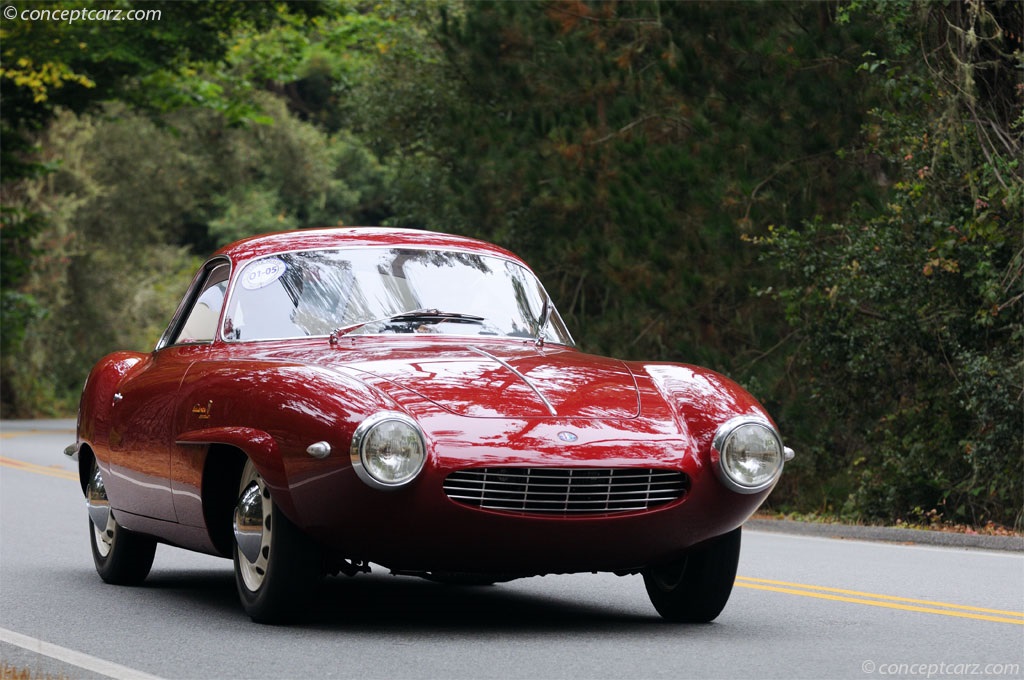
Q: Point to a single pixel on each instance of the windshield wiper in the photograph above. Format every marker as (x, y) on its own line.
(422, 315)
(435, 315)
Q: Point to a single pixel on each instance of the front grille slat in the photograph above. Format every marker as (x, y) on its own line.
(566, 491)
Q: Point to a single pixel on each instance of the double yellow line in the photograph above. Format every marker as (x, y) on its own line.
(11, 434)
(50, 470)
(887, 601)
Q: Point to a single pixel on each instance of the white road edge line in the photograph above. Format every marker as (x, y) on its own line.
(70, 656)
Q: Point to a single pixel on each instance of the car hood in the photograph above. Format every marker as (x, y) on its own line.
(494, 381)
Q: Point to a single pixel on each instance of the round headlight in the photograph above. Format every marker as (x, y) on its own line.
(388, 450)
(749, 454)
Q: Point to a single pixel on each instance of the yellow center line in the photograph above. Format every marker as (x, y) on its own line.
(875, 596)
(27, 433)
(51, 470)
(886, 601)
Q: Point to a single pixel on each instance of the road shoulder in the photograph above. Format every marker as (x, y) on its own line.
(889, 534)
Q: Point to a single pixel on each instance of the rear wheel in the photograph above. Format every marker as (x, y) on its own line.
(121, 557)
(695, 588)
(277, 567)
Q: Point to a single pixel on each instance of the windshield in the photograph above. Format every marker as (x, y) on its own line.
(388, 290)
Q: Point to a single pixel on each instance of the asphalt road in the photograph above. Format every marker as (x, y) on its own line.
(804, 607)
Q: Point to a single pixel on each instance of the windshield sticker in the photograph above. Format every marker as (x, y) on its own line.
(263, 273)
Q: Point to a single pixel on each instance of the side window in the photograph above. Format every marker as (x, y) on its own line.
(201, 324)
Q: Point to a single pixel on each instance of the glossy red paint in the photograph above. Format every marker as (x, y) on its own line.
(155, 421)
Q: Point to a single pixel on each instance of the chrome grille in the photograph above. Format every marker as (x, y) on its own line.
(566, 491)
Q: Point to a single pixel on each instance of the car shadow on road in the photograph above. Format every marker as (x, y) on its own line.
(401, 603)
(414, 604)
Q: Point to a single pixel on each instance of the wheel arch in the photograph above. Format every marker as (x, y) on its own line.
(221, 472)
(85, 460)
(227, 449)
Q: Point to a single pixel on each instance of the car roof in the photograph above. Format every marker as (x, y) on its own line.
(354, 237)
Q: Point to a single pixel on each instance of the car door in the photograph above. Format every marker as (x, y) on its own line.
(140, 431)
(143, 417)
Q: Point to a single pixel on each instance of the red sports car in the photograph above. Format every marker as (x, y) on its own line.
(326, 399)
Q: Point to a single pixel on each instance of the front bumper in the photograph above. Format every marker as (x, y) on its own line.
(419, 528)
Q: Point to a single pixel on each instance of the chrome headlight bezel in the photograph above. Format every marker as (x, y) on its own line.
(363, 437)
(723, 457)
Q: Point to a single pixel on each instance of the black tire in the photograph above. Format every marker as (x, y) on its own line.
(695, 588)
(121, 557)
(279, 583)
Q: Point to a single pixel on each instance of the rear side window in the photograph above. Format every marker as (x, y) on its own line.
(201, 322)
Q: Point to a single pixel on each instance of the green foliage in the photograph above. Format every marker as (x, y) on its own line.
(150, 63)
(112, 255)
(623, 148)
(910, 316)
(49, 66)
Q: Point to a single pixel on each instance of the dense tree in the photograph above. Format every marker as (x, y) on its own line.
(168, 60)
(625, 147)
(132, 205)
(908, 316)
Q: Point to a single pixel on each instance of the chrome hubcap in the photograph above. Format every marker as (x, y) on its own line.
(252, 527)
(103, 525)
(249, 522)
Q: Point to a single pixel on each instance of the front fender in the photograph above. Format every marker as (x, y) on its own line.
(273, 412)
(259, 446)
(702, 399)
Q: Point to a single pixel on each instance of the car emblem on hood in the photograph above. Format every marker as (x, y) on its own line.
(567, 436)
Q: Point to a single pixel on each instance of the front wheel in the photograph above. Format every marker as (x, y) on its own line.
(277, 567)
(694, 589)
(121, 557)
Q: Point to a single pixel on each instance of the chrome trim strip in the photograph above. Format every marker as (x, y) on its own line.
(551, 409)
